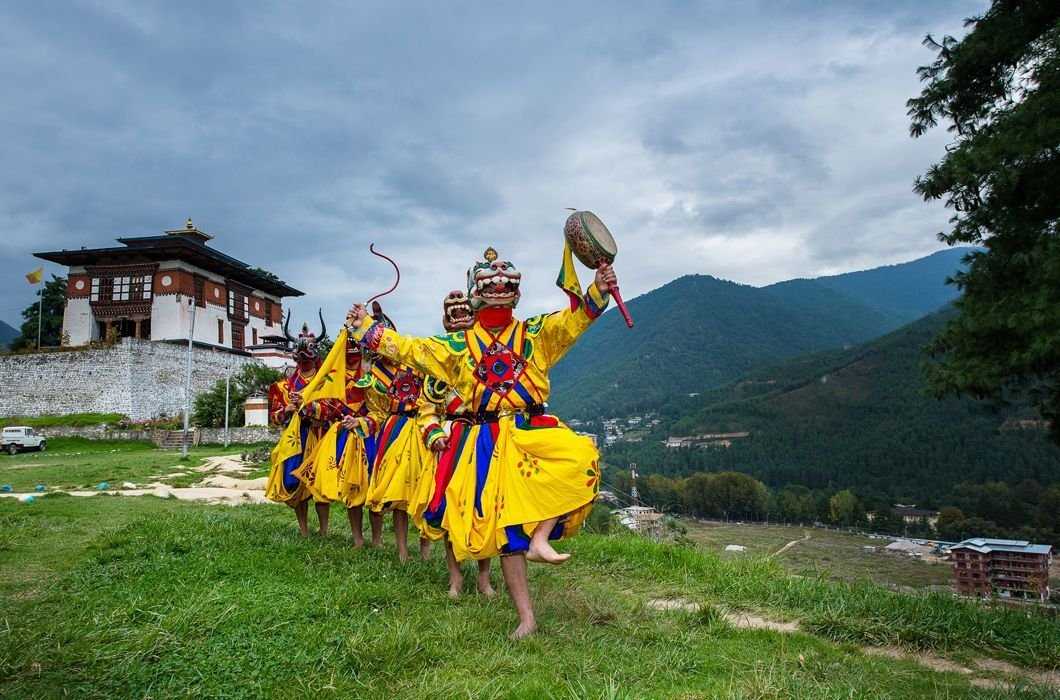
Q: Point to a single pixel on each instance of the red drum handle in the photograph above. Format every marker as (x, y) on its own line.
(621, 305)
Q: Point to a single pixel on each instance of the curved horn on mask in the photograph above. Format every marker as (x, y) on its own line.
(287, 330)
(323, 328)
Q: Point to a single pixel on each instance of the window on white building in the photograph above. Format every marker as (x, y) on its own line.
(121, 288)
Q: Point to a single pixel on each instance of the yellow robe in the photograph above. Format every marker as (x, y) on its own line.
(402, 459)
(428, 514)
(340, 464)
(297, 445)
(519, 470)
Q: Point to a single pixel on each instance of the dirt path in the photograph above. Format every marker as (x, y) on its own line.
(984, 672)
(216, 487)
(789, 545)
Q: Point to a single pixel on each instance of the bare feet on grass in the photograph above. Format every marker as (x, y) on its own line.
(524, 630)
(543, 553)
(484, 585)
(456, 585)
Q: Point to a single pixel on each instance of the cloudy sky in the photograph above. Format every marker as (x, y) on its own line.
(750, 141)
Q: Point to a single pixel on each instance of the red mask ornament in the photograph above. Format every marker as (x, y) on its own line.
(494, 316)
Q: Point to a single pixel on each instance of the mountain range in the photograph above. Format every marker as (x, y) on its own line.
(7, 334)
(855, 418)
(698, 333)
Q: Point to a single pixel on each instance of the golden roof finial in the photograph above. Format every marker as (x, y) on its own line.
(490, 254)
(190, 226)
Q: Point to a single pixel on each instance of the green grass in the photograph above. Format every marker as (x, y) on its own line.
(81, 420)
(78, 463)
(835, 555)
(137, 597)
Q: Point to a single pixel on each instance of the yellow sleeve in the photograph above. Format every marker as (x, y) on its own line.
(431, 356)
(429, 422)
(560, 329)
(378, 407)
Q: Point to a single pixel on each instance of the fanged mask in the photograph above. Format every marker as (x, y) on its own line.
(456, 312)
(493, 282)
(305, 349)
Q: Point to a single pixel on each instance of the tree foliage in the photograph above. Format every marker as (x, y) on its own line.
(998, 91)
(52, 322)
(252, 379)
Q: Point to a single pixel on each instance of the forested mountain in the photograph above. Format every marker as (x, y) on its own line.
(698, 332)
(906, 291)
(855, 418)
(7, 334)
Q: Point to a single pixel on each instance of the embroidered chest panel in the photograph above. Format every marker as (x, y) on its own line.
(499, 368)
(405, 387)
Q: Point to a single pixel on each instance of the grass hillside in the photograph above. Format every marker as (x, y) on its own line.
(855, 418)
(697, 332)
(140, 597)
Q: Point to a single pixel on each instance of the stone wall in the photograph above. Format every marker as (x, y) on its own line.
(241, 435)
(207, 436)
(138, 378)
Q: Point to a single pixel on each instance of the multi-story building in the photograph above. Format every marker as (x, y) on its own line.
(151, 286)
(1007, 568)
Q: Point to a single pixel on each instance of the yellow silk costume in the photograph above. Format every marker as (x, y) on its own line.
(341, 461)
(293, 456)
(402, 459)
(513, 470)
(446, 403)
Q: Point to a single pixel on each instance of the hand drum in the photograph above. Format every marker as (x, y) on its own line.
(593, 244)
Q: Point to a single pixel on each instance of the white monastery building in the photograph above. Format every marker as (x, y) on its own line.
(150, 287)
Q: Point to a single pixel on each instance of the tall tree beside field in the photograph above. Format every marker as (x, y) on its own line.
(209, 409)
(844, 508)
(52, 322)
(997, 90)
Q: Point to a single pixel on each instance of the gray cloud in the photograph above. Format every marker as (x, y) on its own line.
(752, 141)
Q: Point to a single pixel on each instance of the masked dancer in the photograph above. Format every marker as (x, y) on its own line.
(522, 477)
(394, 392)
(447, 441)
(342, 464)
(302, 429)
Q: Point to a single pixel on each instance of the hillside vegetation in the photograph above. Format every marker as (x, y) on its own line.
(856, 418)
(698, 332)
(137, 597)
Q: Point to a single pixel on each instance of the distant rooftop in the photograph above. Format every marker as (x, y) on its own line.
(984, 545)
(187, 244)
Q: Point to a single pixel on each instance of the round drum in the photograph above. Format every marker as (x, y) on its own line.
(589, 239)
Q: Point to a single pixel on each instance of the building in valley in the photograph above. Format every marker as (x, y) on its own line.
(151, 287)
(1007, 568)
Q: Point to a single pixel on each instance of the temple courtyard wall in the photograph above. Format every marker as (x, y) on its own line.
(138, 378)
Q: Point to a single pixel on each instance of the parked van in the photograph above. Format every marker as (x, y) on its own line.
(18, 438)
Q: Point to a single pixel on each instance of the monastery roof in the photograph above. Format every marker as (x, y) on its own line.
(188, 245)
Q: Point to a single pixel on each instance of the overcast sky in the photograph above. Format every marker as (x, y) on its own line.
(750, 141)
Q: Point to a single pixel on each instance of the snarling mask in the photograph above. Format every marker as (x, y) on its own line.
(456, 312)
(493, 283)
(307, 348)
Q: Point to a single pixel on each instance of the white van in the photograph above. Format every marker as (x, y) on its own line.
(18, 438)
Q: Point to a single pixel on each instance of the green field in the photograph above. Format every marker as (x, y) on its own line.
(827, 553)
(143, 597)
(77, 463)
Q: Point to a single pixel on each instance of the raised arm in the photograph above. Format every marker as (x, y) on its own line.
(435, 356)
(561, 329)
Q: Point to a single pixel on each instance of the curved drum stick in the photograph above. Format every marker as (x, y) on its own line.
(397, 271)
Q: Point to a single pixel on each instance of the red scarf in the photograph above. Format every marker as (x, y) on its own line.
(494, 316)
